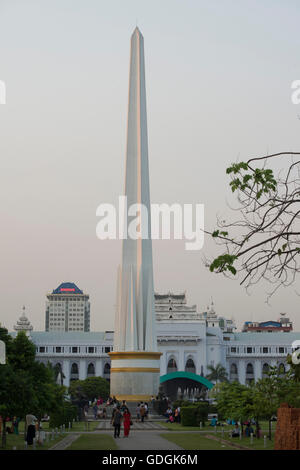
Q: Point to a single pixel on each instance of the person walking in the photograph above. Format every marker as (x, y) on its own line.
(123, 406)
(116, 421)
(126, 422)
(142, 412)
(30, 430)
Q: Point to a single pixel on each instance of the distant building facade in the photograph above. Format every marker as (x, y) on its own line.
(282, 324)
(67, 309)
(189, 342)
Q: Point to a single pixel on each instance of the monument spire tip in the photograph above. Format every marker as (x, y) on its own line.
(137, 31)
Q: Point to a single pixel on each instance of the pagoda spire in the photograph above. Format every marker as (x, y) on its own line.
(23, 324)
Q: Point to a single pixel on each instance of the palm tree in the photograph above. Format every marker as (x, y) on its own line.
(217, 374)
(58, 374)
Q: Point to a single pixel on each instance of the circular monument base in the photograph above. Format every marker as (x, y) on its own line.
(134, 375)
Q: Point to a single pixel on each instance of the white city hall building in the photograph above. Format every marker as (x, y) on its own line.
(189, 343)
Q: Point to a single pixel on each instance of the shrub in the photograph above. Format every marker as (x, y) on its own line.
(202, 413)
(182, 403)
(194, 414)
(188, 416)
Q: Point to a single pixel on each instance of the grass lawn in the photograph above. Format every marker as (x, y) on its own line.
(193, 441)
(81, 426)
(178, 427)
(93, 442)
(77, 426)
(12, 440)
(258, 444)
(189, 441)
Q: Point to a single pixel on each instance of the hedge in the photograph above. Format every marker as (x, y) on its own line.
(193, 415)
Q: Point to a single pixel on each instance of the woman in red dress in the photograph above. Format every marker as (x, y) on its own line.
(126, 422)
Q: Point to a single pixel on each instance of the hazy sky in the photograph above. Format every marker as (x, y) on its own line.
(218, 78)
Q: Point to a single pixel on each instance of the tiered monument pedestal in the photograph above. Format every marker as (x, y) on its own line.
(134, 375)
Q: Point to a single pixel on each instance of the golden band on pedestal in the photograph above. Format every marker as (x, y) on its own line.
(134, 355)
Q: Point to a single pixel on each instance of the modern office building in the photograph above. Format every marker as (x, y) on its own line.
(67, 309)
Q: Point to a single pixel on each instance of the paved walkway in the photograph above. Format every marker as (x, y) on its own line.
(65, 442)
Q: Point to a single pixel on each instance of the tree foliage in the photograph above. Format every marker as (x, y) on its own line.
(234, 401)
(263, 242)
(27, 386)
(217, 373)
(89, 389)
(260, 400)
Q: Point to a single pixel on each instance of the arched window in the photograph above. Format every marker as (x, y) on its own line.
(91, 370)
(74, 368)
(74, 372)
(265, 368)
(233, 370)
(172, 366)
(249, 369)
(190, 366)
(106, 369)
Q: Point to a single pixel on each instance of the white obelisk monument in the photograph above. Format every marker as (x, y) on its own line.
(135, 362)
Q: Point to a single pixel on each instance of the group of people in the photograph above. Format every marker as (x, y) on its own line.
(173, 416)
(247, 431)
(13, 428)
(121, 415)
(236, 431)
(142, 411)
(99, 408)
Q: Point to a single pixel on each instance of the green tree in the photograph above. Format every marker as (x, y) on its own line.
(88, 389)
(259, 401)
(27, 386)
(272, 390)
(268, 393)
(57, 370)
(4, 336)
(234, 401)
(16, 392)
(217, 374)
